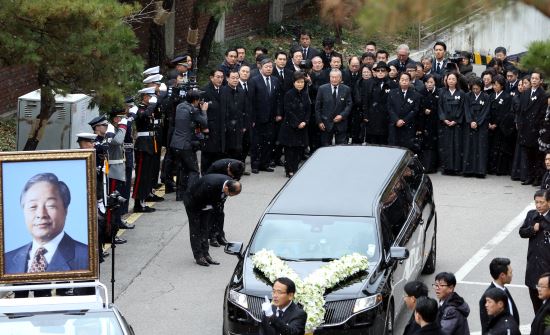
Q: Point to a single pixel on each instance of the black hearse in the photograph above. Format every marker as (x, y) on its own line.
(372, 200)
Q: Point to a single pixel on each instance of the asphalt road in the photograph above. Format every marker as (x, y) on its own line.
(160, 289)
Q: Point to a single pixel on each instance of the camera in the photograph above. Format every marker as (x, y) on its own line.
(305, 65)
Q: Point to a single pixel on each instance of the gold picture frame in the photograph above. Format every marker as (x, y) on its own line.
(48, 200)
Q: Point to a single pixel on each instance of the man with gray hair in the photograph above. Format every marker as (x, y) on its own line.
(45, 201)
(332, 108)
(403, 59)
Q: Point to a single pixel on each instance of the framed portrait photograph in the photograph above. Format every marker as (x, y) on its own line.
(48, 221)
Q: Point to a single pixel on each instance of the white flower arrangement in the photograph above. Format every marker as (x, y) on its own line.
(310, 291)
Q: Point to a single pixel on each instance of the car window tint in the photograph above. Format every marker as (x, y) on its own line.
(316, 237)
(396, 207)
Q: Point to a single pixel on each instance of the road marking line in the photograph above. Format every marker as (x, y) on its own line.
(489, 246)
(487, 284)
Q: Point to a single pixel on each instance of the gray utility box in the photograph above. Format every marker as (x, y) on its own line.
(71, 116)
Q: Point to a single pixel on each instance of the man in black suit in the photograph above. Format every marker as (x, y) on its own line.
(538, 326)
(282, 315)
(208, 193)
(332, 108)
(230, 167)
(403, 59)
(328, 52)
(266, 98)
(413, 291)
(536, 228)
(244, 76)
(439, 63)
(512, 81)
(501, 271)
(532, 110)
(214, 145)
(283, 74)
(233, 104)
(296, 57)
(501, 322)
(305, 45)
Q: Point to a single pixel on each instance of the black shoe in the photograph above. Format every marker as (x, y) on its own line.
(272, 164)
(169, 190)
(125, 225)
(222, 240)
(246, 173)
(214, 243)
(267, 169)
(119, 240)
(201, 261)
(255, 171)
(143, 209)
(527, 182)
(279, 163)
(154, 198)
(211, 261)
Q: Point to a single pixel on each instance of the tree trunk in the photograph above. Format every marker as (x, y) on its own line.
(206, 42)
(338, 33)
(194, 25)
(47, 108)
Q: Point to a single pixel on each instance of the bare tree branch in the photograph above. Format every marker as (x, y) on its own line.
(147, 12)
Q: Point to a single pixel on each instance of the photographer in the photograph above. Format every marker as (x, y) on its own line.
(185, 141)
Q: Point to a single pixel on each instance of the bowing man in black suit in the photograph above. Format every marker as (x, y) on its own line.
(208, 193)
(501, 271)
(538, 326)
(425, 315)
(282, 315)
(265, 96)
(332, 108)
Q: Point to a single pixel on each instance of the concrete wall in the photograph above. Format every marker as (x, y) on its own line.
(512, 27)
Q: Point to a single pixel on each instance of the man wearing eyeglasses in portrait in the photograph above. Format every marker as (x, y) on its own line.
(453, 312)
(536, 228)
(539, 325)
(282, 315)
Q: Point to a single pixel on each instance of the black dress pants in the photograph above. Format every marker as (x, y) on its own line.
(188, 170)
(293, 155)
(262, 145)
(340, 137)
(198, 229)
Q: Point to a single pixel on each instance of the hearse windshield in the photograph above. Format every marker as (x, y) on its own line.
(311, 238)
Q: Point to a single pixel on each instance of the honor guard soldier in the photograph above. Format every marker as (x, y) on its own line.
(116, 133)
(145, 148)
(155, 82)
(131, 110)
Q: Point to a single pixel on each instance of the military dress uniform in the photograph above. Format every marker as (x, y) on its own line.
(128, 155)
(145, 150)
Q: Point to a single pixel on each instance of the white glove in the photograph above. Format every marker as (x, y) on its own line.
(133, 110)
(124, 121)
(153, 100)
(266, 307)
(163, 87)
(110, 128)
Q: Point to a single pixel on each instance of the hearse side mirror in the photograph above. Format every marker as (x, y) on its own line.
(234, 248)
(399, 253)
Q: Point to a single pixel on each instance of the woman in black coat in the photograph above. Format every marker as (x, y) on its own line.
(428, 121)
(374, 100)
(451, 109)
(293, 133)
(502, 129)
(403, 106)
(476, 132)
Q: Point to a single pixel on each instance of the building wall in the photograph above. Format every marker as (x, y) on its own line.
(15, 81)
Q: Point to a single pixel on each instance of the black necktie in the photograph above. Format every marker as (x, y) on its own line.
(305, 53)
(245, 87)
(268, 85)
(334, 94)
(280, 313)
(532, 93)
(218, 90)
(438, 68)
(282, 74)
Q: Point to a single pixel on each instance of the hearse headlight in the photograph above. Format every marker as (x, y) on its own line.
(362, 304)
(238, 298)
